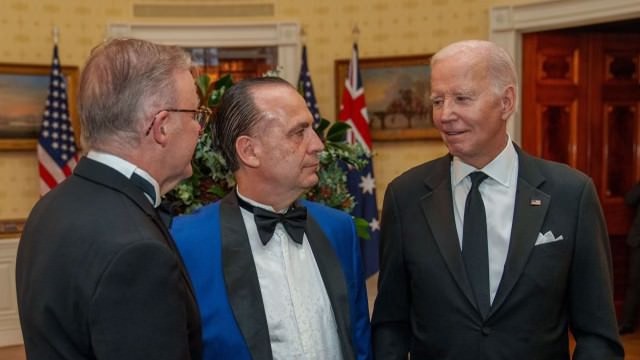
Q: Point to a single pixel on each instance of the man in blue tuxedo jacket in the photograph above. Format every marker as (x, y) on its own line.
(274, 277)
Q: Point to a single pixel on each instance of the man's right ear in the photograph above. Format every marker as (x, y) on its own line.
(247, 150)
(156, 129)
(508, 102)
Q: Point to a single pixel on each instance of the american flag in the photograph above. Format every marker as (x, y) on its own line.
(361, 184)
(305, 87)
(57, 150)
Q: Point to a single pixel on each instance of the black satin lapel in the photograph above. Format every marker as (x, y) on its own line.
(101, 174)
(438, 210)
(334, 282)
(241, 280)
(531, 207)
(161, 224)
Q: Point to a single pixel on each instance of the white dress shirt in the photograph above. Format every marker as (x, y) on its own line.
(498, 193)
(299, 316)
(127, 169)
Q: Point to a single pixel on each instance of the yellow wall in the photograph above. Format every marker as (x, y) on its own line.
(388, 28)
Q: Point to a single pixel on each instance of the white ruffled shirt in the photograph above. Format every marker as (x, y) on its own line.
(299, 315)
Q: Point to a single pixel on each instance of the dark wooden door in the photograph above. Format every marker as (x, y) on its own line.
(581, 106)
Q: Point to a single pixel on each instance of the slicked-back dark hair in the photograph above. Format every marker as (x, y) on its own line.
(238, 115)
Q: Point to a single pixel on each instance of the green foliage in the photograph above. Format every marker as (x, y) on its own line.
(331, 189)
(212, 180)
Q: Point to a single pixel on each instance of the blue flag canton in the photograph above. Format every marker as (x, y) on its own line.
(305, 87)
(56, 134)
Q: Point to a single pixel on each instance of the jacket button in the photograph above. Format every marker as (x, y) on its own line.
(486, 331)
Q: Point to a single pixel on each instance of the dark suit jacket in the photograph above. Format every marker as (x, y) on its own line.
(98, 275)
(632, 198)
(216, 250)
(425, 304)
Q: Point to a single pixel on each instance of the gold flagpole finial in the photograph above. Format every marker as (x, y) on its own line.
(303, 35)
(355, 33)
(56, 35)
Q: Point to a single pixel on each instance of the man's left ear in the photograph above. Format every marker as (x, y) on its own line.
(508, 102)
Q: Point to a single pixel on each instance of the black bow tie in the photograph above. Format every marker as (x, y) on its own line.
(294, 221)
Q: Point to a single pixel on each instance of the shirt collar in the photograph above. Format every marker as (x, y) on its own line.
(499, 169)
(127, 169)
(257, 204)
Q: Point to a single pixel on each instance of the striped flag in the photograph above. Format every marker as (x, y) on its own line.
(57, 150)
(305, 87)
(361, 184)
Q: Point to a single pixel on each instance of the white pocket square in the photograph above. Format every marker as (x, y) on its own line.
(547, 238)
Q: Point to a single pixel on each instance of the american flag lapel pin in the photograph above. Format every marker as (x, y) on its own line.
(535, 202)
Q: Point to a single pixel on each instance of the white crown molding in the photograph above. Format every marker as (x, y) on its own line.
(508, 23)
(285, 35)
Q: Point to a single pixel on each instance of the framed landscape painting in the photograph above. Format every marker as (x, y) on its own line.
(23, 93)
(397, 96)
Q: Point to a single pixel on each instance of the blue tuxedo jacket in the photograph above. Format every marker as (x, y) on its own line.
(215, 248)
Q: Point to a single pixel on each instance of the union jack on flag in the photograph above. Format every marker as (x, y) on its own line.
(361, 184)
(57, 150)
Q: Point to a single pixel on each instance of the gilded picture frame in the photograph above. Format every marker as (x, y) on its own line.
(10, 228)
(23, 93)
(397, 96)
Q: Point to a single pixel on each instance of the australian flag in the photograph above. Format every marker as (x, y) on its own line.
(361, 184)
(57, 150)
(305, 87)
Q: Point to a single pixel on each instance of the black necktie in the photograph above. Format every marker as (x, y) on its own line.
(145, 186)
(294, 221)
(475, 251)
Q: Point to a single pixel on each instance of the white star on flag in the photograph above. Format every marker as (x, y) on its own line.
(374, 225)
(367, 184)
(306, 88)
(57, 152)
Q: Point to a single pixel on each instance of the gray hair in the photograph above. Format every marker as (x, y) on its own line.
(238, 115)
(500, 66)
(122, 83)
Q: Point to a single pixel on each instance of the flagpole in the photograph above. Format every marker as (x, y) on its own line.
(56, 34)
(57, 150)
(361, 183)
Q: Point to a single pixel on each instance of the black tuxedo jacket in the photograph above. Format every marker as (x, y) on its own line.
(98, 275)
(425, 304)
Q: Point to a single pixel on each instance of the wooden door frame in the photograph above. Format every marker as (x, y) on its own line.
(509, 22)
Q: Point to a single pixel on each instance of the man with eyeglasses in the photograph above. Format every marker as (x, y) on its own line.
(98, 275)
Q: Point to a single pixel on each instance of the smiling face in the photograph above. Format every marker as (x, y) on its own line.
(468, 108)
(286, 145)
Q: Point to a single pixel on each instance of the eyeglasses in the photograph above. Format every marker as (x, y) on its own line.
(202, 115)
